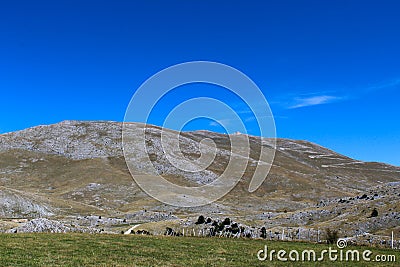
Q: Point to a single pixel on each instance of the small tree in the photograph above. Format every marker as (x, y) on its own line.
(263, 232)
(200, 220)
(331, 236)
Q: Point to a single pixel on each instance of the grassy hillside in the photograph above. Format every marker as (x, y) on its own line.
(76, 169)
(131, 250)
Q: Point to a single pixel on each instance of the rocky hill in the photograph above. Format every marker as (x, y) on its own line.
(74, 168)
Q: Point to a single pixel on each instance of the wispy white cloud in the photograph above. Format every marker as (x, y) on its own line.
(384, 85)
(293, 101)
(223, 122)
(300, 102)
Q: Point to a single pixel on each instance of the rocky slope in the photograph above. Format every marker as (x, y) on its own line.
(77, 169)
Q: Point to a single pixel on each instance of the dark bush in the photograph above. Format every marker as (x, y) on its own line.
(331, 236)
(142, 232)
(263, 232)
(227, 221)
(200, 220)
(169, 231)
(374, 213)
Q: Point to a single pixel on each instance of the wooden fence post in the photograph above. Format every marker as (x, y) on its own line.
(392, 240)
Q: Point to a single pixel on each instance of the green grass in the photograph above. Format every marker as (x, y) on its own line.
(131, 250)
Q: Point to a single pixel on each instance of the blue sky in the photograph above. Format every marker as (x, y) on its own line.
(329, 69)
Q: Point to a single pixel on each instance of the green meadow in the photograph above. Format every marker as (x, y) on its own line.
(132, 250)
